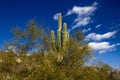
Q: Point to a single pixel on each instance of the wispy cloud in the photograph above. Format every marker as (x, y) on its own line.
(98, 26)
(86, 30)
(83, 14)
(98, 37)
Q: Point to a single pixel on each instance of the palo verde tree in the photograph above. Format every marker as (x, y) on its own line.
(26, 40)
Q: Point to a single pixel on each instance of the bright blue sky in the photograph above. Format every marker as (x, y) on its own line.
(99, 20)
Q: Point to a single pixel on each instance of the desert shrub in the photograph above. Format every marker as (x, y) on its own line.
(50, 62)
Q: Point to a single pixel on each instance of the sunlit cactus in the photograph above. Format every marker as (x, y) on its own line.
(59, 39)
(59, 21)
(59, 30)
(64, 27)
(62, 34)
(53, 43)
(52, 37)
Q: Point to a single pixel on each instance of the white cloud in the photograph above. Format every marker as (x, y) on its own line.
(86, 30)
(98, 26)
(83, 14)
(102, 47)
(81, 10)
(102, 51)
(82, 22)
(55, 17)
(98, 37)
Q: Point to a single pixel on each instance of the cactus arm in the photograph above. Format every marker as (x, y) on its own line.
(64, 34)
(59, 21)
(52, 37)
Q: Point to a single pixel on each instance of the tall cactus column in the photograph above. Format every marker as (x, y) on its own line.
(59, 30)
(59, 21)
(53, 41)
(62, 34)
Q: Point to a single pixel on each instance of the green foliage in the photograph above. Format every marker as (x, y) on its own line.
(26, 40)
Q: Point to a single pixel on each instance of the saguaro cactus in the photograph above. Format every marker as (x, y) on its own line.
(62, 38)
(62, 34)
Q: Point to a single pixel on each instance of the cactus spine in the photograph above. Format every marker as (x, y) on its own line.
(62, 34)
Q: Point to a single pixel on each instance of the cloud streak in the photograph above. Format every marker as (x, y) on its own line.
(83, 14)
(86, 30)
(98, 26)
